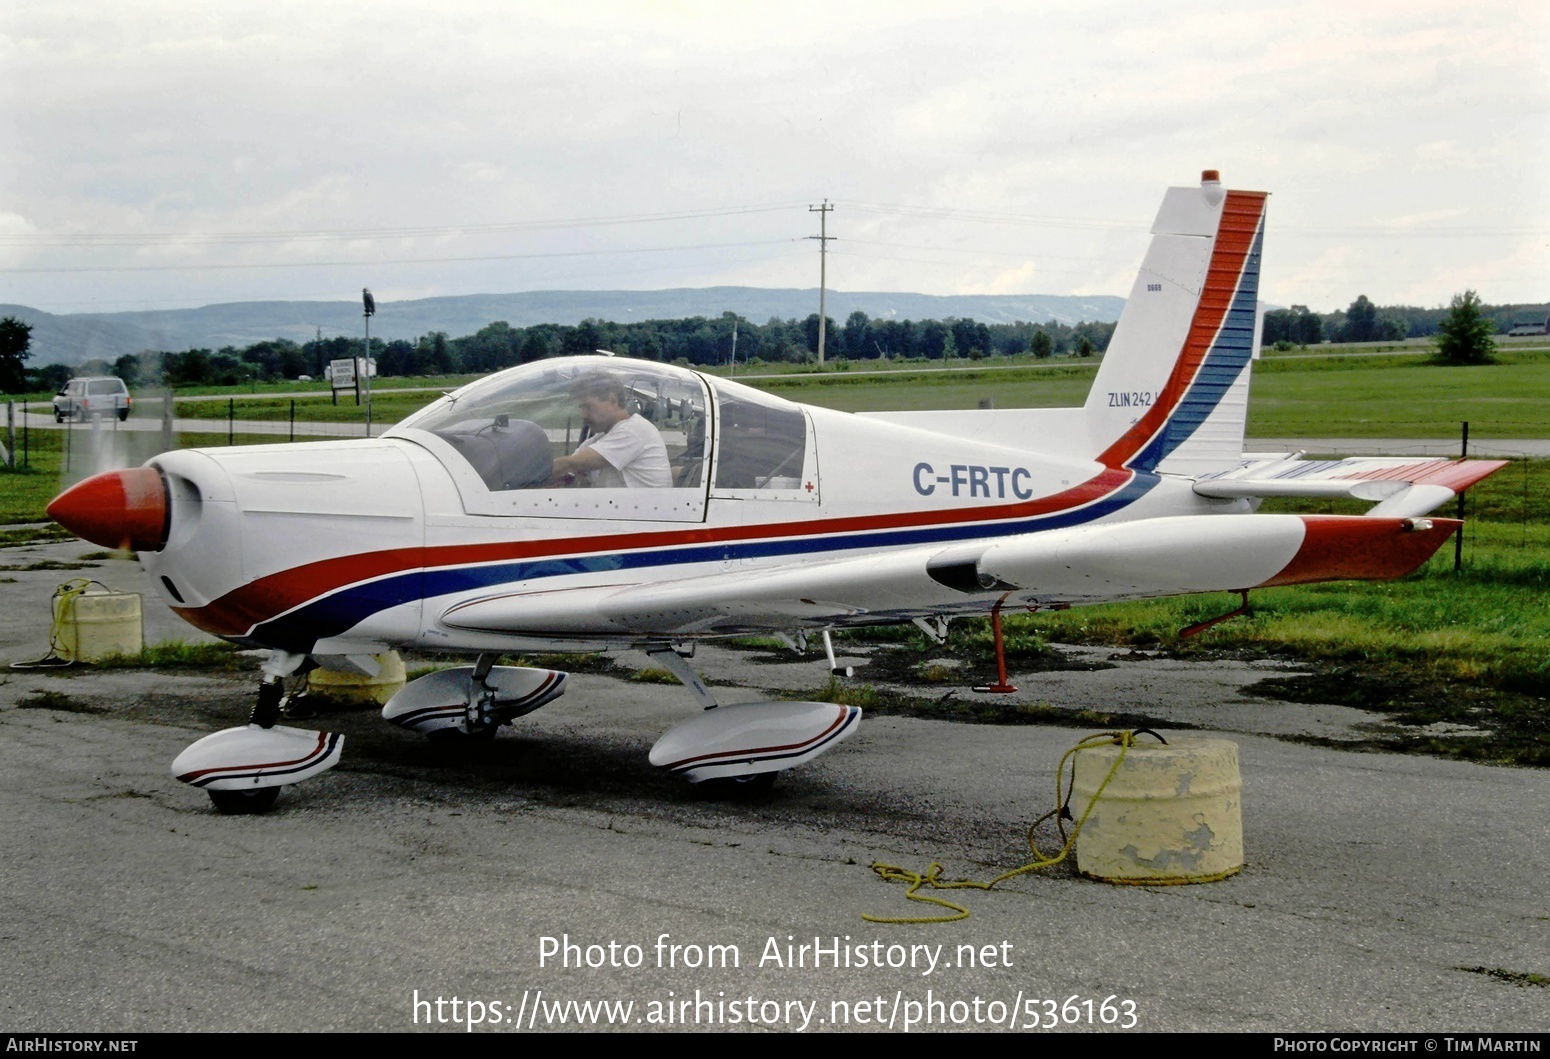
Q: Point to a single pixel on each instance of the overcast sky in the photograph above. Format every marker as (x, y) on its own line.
(170, 154)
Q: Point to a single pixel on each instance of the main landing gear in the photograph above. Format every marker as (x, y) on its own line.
(243, 769)
(472, 702)
(741, 747)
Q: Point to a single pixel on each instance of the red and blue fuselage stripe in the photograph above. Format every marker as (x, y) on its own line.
(329, 597)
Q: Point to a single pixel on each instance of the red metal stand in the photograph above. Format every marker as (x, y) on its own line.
(1201, 626)
(1000, 687)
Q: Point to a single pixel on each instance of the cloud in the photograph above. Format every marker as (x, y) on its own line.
(170, 117)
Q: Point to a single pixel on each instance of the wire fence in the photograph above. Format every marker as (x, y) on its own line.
(1517, 496)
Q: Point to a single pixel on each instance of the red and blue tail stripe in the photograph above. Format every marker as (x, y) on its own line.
(1217, 348)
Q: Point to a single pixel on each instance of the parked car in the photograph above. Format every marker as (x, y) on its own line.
(88, 397)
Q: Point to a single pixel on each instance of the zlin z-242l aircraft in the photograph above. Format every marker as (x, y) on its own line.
(586, 504)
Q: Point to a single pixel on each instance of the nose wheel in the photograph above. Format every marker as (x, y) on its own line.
(242, 769)
(739, 788)
(244, 803)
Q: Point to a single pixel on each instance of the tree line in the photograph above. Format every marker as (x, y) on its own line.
(704, 341)
(1363, 321)
(698, 341)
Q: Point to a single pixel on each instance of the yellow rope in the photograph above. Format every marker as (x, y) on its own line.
(932, 876)
(64, 600)
(61, 601)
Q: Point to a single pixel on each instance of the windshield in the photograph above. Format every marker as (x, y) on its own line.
(513, 426)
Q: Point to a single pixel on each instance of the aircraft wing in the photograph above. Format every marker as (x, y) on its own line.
(1087, 564)
(1402, 487)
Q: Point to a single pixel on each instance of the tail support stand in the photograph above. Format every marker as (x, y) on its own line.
(834, 667)
(1201, 626)
(1000, 687)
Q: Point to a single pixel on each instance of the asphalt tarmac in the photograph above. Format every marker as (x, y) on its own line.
(500, 887)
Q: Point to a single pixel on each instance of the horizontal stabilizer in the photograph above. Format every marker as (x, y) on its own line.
(1401, 487)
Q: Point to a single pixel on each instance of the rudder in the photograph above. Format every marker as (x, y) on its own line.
(1172, 392)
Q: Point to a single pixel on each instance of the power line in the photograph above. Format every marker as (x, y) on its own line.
(401, 232)
(1374, 231)
(399, 261)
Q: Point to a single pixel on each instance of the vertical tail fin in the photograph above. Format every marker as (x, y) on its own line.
(1172, 392)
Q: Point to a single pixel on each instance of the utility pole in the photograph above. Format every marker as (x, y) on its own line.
(823, 238)
(369, 307)
(734, 347)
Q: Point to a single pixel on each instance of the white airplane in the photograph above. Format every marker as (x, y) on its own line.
(585, 504)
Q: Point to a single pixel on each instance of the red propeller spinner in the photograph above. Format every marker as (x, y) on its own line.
(117, 509)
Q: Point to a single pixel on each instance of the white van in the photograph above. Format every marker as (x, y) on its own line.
(89, 397)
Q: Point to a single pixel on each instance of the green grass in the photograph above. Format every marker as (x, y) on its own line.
(1377, 397)
(1330, 393)
(1392, 390)
(1525, 978)
(970, 709)
(378, 387)
(387, 406)
(177, 654)
(26, 491)
(1456, 662)
(48, 699)
(47, 564)
(1061, 384)
(1462, 648)
(651, 675)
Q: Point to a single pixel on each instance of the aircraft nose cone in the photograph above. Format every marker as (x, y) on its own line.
(116, 509)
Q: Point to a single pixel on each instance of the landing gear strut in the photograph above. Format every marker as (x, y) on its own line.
(738, 749)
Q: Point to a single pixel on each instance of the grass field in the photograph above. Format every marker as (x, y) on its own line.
(1333, 396)
(1357, 391)
(1290, 396)
(387, 406)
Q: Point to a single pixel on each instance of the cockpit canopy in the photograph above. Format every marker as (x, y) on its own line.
(500, 438)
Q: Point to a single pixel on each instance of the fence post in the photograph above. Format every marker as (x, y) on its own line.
(10, 434)
(293, 419)
(1458, 538)
(166, 421)
(231, 417)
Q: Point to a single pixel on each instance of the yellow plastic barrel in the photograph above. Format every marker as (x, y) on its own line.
(357, 689)
(94, 624)
(1171, 814)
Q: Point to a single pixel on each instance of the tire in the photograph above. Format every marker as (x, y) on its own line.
(740, 788)
(458, 737)
(123, 415)
(59, 417)
(244, 803)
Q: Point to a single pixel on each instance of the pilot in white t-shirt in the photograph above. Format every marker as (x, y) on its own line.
(623, 450)
(634, 453)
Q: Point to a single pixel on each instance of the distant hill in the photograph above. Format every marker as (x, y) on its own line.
(76, 337)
